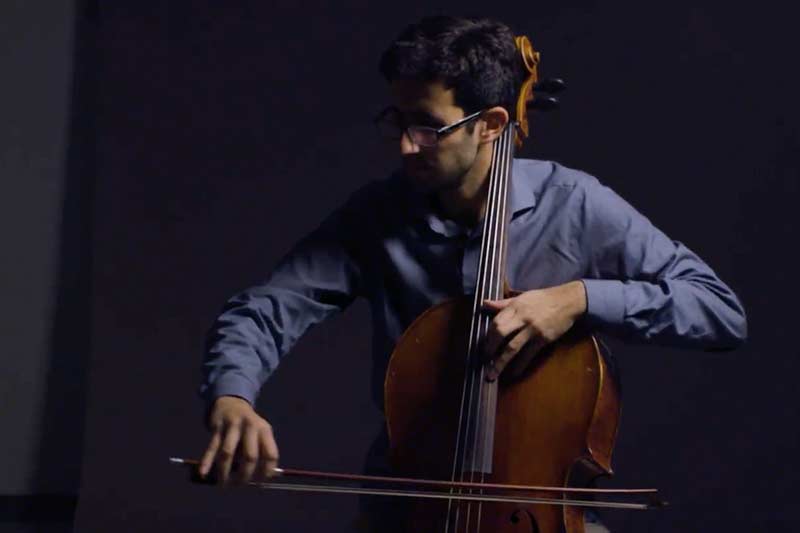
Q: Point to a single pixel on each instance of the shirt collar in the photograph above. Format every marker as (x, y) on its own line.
(522, 198)
(523, 195)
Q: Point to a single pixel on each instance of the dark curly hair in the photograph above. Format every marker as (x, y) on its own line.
(477, 58)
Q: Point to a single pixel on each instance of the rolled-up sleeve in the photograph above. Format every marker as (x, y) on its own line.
(320, 276)
(643, 285)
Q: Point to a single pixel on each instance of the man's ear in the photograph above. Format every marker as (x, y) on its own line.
(494, 120)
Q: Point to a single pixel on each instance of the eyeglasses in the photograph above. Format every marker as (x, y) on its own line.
(391, 125)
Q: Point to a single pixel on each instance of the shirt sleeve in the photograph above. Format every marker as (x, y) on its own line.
(645, 286)
(319, 277)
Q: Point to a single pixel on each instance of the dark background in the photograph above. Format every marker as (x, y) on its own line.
(224, 132)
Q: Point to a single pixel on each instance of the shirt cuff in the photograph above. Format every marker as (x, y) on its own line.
(231, 384)
(605, 302)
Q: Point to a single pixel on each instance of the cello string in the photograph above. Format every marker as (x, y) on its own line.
(487, 392)
(475, 344)
(467, 396)
(500, 217)
(475, 369)
(483, 323)
(489, 286)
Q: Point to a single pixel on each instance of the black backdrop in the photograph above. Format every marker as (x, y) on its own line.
(225, 131)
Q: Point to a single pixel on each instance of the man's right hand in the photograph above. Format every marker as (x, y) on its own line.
(240, 434)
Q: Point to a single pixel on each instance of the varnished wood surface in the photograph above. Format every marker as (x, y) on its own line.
(560, 416)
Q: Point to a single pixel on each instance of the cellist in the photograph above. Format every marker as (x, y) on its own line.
(408, 241)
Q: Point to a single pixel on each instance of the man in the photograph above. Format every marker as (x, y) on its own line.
(410, 241)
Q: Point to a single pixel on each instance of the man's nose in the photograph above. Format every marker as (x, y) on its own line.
(407, 146)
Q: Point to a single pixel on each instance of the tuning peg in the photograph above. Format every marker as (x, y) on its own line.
(550, 85)
(544, 103)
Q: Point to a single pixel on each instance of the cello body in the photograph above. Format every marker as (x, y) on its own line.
(555, 423)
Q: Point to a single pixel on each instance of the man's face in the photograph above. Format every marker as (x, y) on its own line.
(443, 166)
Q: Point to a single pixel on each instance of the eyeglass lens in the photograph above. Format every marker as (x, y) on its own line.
(390, 127)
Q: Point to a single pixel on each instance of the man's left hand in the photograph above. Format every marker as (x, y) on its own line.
(526, 323)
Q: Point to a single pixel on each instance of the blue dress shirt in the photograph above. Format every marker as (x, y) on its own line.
(389, 245)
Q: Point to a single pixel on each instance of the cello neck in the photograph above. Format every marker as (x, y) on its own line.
(491, 266)
(475, 443)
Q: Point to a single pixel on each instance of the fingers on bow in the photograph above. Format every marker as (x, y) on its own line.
(241, 453)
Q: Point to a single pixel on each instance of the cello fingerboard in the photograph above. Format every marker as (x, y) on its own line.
(475, 443)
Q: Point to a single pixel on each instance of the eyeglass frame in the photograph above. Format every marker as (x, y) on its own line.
(439, 132)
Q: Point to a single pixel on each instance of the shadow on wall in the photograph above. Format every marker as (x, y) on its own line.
(59, 457)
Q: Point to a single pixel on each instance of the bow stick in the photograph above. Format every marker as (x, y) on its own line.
(451, 485)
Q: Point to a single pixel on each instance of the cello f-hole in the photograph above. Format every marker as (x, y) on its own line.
(521, 517)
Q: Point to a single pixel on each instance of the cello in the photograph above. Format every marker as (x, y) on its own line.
(556, 422)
